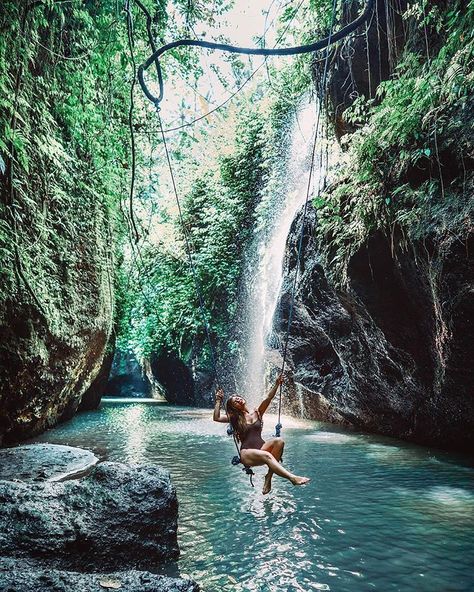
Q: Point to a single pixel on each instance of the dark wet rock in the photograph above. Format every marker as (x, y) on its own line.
(175, 378)
(127, 377)
(180, 382)
(117, 517)
(91, 398)
(392, 351)
(22, 576)
(362, 61)
(156, 389)
(44, 462)
(44, 374)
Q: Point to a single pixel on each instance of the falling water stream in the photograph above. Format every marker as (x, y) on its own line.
(264, 276)
(379, 514)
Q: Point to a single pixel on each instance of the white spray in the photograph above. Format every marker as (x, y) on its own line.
(264, 283)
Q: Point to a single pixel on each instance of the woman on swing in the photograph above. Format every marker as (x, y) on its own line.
(247, 427)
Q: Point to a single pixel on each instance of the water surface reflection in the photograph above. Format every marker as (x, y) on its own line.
(378, 515)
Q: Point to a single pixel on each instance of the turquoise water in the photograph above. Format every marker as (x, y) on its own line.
(379, 514)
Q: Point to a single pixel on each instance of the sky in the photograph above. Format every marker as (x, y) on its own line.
(245, 22)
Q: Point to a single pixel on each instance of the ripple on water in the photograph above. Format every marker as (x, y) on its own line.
(334, 438)
(377, 515)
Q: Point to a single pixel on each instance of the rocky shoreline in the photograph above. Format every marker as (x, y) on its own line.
(107, 525)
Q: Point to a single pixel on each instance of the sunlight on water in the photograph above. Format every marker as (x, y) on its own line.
(333, 438)
(452, 496)
(454, 505)
(379, 514)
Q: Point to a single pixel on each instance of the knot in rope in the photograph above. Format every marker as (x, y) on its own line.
(236, 460)
(250, 473)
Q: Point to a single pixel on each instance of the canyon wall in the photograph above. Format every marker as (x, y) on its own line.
(383, 331)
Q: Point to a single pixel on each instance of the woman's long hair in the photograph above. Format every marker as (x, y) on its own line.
(237, 419)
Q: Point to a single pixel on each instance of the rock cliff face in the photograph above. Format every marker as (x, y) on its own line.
(392, 351)
(126, 378)
(178, 382)
(383, 329)
(59, 230)
(52, 350)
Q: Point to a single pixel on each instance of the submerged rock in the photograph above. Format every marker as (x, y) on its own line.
(119, 516)
(22, 576)
(44, 462)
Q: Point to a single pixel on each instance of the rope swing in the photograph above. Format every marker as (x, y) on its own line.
(154, 59)
(279, 426)
(236, 459)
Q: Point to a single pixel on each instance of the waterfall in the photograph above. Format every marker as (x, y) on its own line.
(264, 277)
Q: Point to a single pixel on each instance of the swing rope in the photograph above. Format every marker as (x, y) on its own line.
(279, 426)
(236, 460)
(154, 58)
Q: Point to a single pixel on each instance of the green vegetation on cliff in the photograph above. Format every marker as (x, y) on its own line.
(228, 169)
(406, 163)
(63, 145)
(220, 183)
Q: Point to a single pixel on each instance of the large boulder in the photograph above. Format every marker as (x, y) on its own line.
(182, 382)
(117, 517)
(174, 377)
(67, 524)
(45, 462)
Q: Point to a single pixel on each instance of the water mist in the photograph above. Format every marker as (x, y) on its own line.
(264, 276)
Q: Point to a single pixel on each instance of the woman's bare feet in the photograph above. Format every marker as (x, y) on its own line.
(267, 486)
(300, 480)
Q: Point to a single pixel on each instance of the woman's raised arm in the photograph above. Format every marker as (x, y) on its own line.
(271, 393)
(217, 408)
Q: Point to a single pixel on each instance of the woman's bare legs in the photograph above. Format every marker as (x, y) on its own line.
(253, 457)
(275, 446)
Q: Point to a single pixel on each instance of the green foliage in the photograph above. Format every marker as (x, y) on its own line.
(419, 116)
(65, 153)
(223, 188)
(64, 144)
